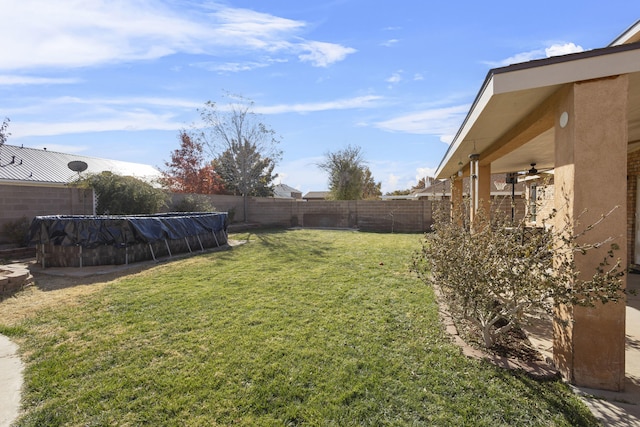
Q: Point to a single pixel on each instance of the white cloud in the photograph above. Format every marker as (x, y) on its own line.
(303, 174)
(231, 67)
(563, 49)
(389, 43)
(418, 77)
(235, 67)
(339, 104)
(422, 173)
(392, 181)
(438, 121)
(395, 78)
(72, 115)
(517, 58)
(556, 49)
(77, 33)
(131, 121)
(322, 54)
(14, 80)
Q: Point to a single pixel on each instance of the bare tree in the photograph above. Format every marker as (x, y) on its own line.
(244, 148)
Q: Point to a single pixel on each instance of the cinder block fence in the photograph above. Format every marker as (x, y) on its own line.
(404, 216)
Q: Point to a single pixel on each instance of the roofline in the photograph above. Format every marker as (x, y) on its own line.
(626, 34)
(33, 183)
(537, 63)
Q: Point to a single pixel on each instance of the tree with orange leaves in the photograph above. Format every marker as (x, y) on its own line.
(187, 172)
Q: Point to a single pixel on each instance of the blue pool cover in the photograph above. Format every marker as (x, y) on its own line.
(94, 231)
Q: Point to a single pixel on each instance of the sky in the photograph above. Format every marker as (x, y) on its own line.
(119, 79)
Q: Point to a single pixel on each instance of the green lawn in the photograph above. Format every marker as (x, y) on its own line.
(300, 327)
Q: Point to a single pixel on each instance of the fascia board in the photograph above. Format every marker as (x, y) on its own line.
(478, 106)
(560, 73)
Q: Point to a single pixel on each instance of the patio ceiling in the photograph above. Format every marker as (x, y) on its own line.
(511, 122)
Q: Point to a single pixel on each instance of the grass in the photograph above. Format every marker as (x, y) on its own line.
(302, 327)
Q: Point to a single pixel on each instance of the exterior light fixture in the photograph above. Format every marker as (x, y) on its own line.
(564, 119)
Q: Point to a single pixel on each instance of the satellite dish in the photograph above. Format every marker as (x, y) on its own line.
(77, 166)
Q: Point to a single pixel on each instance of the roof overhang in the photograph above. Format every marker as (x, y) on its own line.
(630, 35)
(513, 105)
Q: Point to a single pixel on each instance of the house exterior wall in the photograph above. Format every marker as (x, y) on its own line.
(544, 202)
(26, 201)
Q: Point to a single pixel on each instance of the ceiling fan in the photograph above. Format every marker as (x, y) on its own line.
(533, 171)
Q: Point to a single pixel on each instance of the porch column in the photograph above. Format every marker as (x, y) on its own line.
(590, 174)
(484, 190)
(480, 184)
(457, 210)
(474, 200)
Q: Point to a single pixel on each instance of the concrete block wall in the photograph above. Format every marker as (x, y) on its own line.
(222, 203)
(368, 215)
(22, 201)
(394, 215)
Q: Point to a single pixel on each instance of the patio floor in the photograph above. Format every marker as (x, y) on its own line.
(612, 408)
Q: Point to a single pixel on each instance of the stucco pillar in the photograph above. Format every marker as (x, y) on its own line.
(473, 187)
(456, 198)
(484, 190)
(480, 184)
(590, 180)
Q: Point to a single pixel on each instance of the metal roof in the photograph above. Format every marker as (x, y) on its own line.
(22, 165)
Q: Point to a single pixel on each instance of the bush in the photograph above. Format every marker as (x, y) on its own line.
(17, 231)
(496, 274)
(193, 203)
(123, 195)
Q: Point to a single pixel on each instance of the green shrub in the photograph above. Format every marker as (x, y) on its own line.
(193, 203)
(17, 231)
(123, 195)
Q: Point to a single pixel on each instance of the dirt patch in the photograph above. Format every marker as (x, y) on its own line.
(514, 345)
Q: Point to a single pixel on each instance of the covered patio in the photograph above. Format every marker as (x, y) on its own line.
(578, 115)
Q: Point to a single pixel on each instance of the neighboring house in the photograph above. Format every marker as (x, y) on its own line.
(316, 195)
(578, 115)
(442, 188)
(501, 194)
(22, 165)
(283, 191)
(35, 182)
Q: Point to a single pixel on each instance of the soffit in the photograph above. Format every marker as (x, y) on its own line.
(512, 93)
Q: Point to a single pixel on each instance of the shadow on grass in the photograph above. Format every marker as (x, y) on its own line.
(56, 278)
(555, 394)
(275, 240)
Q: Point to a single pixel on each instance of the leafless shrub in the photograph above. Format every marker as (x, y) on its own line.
(498, 273)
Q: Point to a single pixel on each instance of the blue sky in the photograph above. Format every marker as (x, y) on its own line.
(119, 79)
